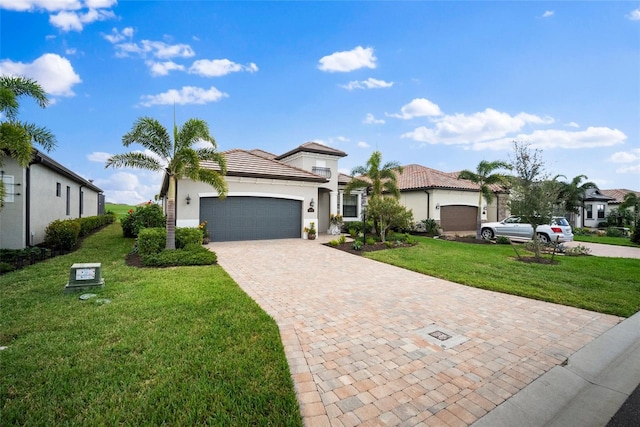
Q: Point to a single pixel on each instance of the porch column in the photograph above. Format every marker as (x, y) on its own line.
(333, 202)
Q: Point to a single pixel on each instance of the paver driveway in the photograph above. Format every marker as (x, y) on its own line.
(357, 337)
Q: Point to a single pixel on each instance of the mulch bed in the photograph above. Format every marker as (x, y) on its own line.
(378, 246)
(134, 260)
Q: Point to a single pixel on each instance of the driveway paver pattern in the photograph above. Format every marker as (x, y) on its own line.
(355, 333)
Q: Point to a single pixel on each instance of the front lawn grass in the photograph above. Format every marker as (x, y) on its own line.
(606, 285)
(605, 240)
(175, 346)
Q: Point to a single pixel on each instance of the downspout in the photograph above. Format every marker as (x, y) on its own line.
(428, 204)
(27, 205)
(80, 201)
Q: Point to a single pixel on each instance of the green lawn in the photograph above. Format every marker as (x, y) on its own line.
(118, 209)
(176, 346)
(605, 240)
(607, 285)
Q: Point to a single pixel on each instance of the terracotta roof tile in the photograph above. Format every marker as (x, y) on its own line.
(262, 153)
(246, 163)
(618, 194)
(416, 177)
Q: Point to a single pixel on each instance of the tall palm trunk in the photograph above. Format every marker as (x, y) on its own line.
(171, 214)
(479, 218)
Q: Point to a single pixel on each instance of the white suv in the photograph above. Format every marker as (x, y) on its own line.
(558, 230)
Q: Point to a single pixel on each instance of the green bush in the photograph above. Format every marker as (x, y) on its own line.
(388, 244)
(91, 223)
(370, 241)
(503, 240)
(342, 240)
(151, 241)
(62, 234)
(430, 226)
(333, 243)
(357, 245)
(635, 237)
(5, 267)
(191, 255)
(614, 232)
(188, 235)
(147, 216)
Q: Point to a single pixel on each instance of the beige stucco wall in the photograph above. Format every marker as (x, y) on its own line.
(307, 161)
(188, 215)
(12, 218)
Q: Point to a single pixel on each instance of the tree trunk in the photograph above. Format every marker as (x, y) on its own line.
(171, 215)
(479, 218)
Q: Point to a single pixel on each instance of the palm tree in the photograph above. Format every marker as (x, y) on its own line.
(632, 200)
(177, 158)
(16, 137)
(572, 193)
(484, 177)
(377, 178)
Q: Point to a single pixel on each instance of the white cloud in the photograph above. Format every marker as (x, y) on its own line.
(572, 125)
(98, 156)
(163, 68)
(186, 95)
(100, 4)
(363, 144)
(48, 5)
(349, 60)
(71, 51)
(555, 138)
(54, 73)
(67, 21)
(370, 120)
(419, 107)
(131, 188)
(625, 156)
(342, 139)
(156, 49)
(219, 67)
(118, 36)
(467, 129)
(548, 13)
(370, 83)
(634, 15)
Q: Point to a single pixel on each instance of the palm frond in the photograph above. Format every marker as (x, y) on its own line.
(15, 140)
(41, 136)
(134, 160)
(191, 132)
(149, 133)
(215, 179)
(21, 85)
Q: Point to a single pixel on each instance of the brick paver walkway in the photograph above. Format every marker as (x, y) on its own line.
(356, 335)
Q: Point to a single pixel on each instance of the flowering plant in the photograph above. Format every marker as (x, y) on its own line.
(335, 219)
(203, 227)
(311, 230)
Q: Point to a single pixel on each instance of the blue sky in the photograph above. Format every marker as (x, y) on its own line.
(441, 84)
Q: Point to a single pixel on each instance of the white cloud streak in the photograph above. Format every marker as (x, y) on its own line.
(163, 68)
(634, 15)
(371, 120)
(363, 144)
(419, 107)
(591, 137)
(184, 96)
(219, 67)
(98, 156)
(349, 60)
(370, 83)
(548, 13)
(54, 73)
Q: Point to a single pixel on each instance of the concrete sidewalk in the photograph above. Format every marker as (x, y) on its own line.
(598, 249)
(372, 344)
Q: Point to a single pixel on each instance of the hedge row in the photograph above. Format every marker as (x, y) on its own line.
(64, 234)
(153, 240)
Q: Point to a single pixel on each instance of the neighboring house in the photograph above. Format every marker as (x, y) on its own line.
(269, 196)
(39, 194)
(451, 202)
(597, 204)
(275, 196)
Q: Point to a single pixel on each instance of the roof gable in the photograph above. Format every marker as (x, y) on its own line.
(312, 147)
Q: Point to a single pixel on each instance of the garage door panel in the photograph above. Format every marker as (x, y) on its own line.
(458, 217)
(251, 218)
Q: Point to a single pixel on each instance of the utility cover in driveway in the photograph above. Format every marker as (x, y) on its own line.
(251, 218)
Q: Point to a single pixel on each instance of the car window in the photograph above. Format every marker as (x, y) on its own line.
(512, 220)
(560, 221)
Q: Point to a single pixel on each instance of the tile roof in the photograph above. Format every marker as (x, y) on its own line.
(249, 164)
(596, 194)
(262, 153)
(343, 178)
(417, 177)
(618, 194)
(313, 147)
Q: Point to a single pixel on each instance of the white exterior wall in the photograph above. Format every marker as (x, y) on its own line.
(13, 222)
(307, 161)
(417, 201)
(188, 215)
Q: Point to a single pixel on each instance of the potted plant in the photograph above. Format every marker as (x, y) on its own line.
(335, 224)
(311, 231)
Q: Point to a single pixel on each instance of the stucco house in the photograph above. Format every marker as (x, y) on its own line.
(275, 196)
(597, 204)
(39, 194)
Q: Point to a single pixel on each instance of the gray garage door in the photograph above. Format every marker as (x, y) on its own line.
(251, 218)
(458, 218)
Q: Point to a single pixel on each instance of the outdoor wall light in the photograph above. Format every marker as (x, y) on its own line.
(484, 210)
(437, 205)
(311, 203)
(188, 199)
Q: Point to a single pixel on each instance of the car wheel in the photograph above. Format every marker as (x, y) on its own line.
(543, 238)
(487, 234)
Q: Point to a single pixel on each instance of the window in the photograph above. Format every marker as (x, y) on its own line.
(58, 189)
(350, 206)
(600, 211)
(589, 211)
(9, 188)
(68, 200)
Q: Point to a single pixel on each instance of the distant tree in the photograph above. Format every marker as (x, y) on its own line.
(533, 194)
(17, 137)
(571, 194)
(632, 200)
(388, 213)
(177, 158)
(377, 177)
(484, 177)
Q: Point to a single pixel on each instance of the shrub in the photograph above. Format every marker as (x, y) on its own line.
(147, 216)
(370, 241)
(342, 240)
(635, 237)
(5, 267)
(334, 243)
(151, 241)
(388, 244)
(91, 223)
(430, 226)
(190, 255)
(503, 240)
(188, 235)
(614, 232)
(62, 234)
(577, 251)
(357, 245)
